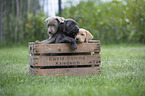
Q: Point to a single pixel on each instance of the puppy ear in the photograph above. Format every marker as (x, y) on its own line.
(60, 19)
(89, 36)
(71, 21)
(46, 21)
(50, 19)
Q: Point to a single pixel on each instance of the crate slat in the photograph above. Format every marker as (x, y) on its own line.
(66, 71)
(63, 48)
(38, 60)
(31, 47)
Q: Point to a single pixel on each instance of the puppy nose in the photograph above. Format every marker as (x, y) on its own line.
(77, 38)
(50, 32)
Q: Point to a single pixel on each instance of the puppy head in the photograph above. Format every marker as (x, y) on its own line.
(70, 28)
(83, 36)
(52, 24)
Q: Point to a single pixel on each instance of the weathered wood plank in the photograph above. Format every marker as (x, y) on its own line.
(92, 46)
(65, 48)
(66, 71)
(38, 60)
(31, 47)
(35, 48)
(94, 41)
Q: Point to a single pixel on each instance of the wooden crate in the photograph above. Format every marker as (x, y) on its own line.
(83, 61)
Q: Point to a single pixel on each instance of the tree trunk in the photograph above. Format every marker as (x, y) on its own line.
(17, 17)
(28, 7)
(21, 22)
(59, 9)
(1, 21)
(8, 20)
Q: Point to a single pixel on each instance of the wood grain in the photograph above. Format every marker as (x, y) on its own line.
(35, 48)
(66, 71)
(79, 63)
(38, 60)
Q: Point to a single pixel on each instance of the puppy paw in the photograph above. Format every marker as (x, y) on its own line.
(73, 47)
(37, 41)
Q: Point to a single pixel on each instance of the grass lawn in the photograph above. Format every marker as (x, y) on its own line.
(123, 74)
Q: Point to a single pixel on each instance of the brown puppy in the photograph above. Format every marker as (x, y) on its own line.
(83, 36)
(52, 24)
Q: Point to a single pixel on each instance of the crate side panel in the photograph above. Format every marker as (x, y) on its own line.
(67, 71)
(31, 71)
(65, 48)
(31, 47)
(66, 60)
(31, 60)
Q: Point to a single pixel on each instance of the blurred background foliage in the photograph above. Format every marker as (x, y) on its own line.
(21, 21)
(112, 22)
(35, 27)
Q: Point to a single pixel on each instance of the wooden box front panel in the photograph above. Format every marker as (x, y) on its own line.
(80, 63)
(63, 48)
(66, 71)
(38, 60)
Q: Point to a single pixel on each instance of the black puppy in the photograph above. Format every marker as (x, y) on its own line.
(67, 32)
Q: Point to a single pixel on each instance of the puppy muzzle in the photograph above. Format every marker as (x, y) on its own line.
(78, 40)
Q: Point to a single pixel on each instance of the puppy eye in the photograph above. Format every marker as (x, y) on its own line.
(82, 34)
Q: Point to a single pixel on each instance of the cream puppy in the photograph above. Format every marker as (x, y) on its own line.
(83, 36)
